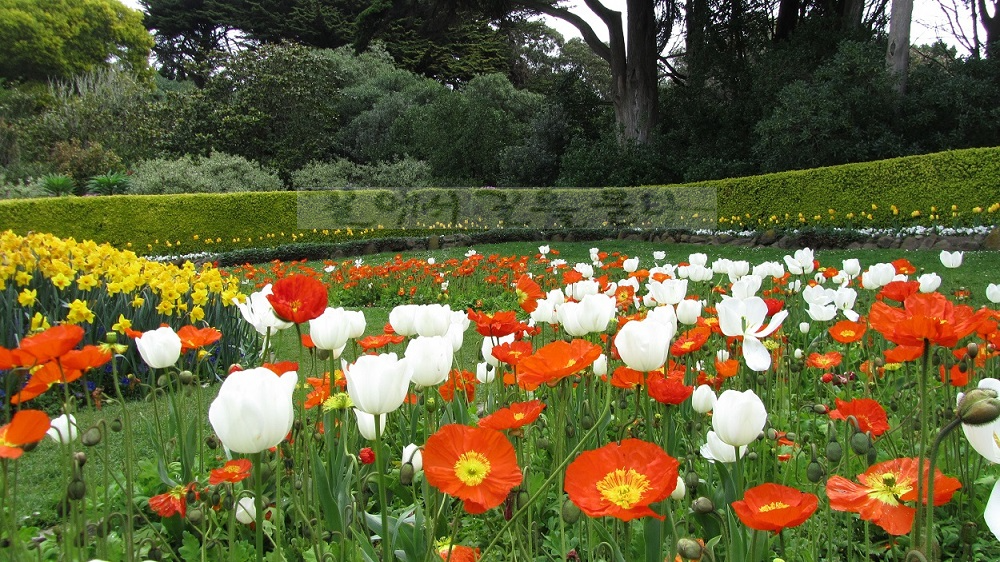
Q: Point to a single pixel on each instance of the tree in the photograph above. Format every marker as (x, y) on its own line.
(897, 54)
(45, 39)
(992, 26)
(187, 34)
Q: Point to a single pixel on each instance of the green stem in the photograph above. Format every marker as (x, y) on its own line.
(129, 485)
(928, 500)
(382, 496)
(258, 502)
(918, 539)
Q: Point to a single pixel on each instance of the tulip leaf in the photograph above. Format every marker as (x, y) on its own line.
(327, 500)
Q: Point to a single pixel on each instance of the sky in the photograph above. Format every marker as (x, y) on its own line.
(928, 25)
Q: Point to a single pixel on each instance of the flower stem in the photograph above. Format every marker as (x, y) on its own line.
(258, 501)
(382, 496)
(918, 527)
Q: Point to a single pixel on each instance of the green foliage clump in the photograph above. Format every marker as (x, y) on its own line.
(404, 174)
(111, 183)
(216, 173)
(81, 162)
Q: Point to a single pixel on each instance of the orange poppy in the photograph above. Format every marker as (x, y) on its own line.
(518, 414)
(281, 367)
(233, 471)
(459, 553)
(511, 353)
(869, 414)
(51, 343)
(528, 292)
(846, 331)
(668, 389)
(882, 490)
(197, 338)
(369, 343)
(624, 296)
(497, 325)
(773, 507)
(42, 379)
(727, 368)
(621, 480)
(27, 426)
(298, 298)
(556, 361)
(903, 353)
(690, 341)
(171, 502)
(825, 361)
(89, 357)
(624, 377)
(904, 267)
(927, 317)
(459, 381)
(476, 465)
(898, 290)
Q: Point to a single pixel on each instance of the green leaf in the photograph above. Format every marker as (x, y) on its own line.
(190, 550)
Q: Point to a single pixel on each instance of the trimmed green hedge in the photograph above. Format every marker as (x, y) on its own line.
(173, 224)
(964, 178)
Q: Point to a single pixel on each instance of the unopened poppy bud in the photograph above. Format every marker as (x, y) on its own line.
(969, 532)
(162, 380)
(821, 408)
(190, 497)
(702, 505)
(522, 498)
(111, 338)
(689, 549)
(195, 515)
(815, 472)
(834, 452)
(570, 430)
(406, 473)
(979, 406)
(586, 422)
(691, 480)
(791, 436)
(234, 367)
(91, 437)
(570, 512)
(154, 554)
(860, 443)
(430, 404)
(76, 490)
(323, 354)
(212, 442)
(186, 377)
(972, 349)
(544, 444)
(116, 425)
(80, 458)
(216, 498)
(772, 433)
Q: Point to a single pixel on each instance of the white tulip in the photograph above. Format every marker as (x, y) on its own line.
(680, 490)
(259, 313)
(951, 260)
(366, 423)
(487, 348)
(377, 384)
(630, 265)
(430, 358)
(688, 311)
(402, 319)
(715, 450)
(738, 417)
(703, 399)
(253, 410)
(63, 429)
(246, 510)
(698, 259)
(485, 372)
(993, 293)
(330, 330)
(929, 282)
(852, 267)
(644, 344)
(432, 320)
(668, 291)
(746, 318)
(801, 263)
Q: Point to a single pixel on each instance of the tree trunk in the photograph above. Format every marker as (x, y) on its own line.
(897, 56)
(992, 26)
(788, 17)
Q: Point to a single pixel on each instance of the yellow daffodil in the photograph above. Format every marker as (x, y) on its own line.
(27, 298)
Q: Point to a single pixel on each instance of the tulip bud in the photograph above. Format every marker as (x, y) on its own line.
(91, 437)
(702, 505)
(689, 549)
(570, 512)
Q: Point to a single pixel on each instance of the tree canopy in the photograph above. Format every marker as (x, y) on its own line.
(46, 39)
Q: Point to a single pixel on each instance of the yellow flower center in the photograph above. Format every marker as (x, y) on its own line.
(886, 489)
(847, 334)
(472, 468)
(772, 506)
(518, 416)
(623, 488)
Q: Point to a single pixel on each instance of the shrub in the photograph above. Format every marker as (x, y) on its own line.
(405, 174)
(81, 161)
(58, 185)
(111, 183)
(217, 173)
(15, 188)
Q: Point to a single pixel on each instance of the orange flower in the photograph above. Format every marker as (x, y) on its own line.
(512, 353)
(621, 480)
(368, 343)
(51, 343)
(528, 293)
(927, 317)
(476, 465)
(233, 471)
(459, 553)
(869, 414)
(197, 338)
(626, 378)
(459, 381)
(281, 367)
(825, 361)
(89, 357)
(27, 426)
(772, 507)
(298, 298)
(898, 290)
(690, 341)
(556, 361)
(882, 490)
(171, 502)
(518, 414)
(904, 267)
(846, 331)
(42, 379)
(497, 325)
(668, 389)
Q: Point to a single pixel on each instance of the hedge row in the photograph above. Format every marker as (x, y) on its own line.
(172, 224)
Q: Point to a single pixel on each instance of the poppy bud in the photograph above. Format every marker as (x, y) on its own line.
(76, 490)
(544, 444)
(406, 473)
(195, 515)
(323, 354)
(979, 406)
(522, 498)
(430, 404)
(80, 458)
(702, 505)
(212, 442)
(872, 455)
(821, 408)
(972, 349)
(834, 452)
(91, 437)
(689, 549)
(791, 436)
(154, 554)
(116, 425)
(586, 422)
(570, 512)
(162, 380)
(111, 338)
(772, 433)
(216, 498)
(815, 472)
(234, 367)
(860, 443)
(691, 480)
(969, 532)
(191, 496)
(570, 430)
(186, 377)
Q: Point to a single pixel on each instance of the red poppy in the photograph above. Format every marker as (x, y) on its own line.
(624, 377)
(307, 342)
(727, 368)
(476, 465)
(572, 276)
(27, 426)
(459, 381)
(904, 267)
(233, 471)
(869, 414)
(927, 317)
(171, 502)
(846, 331)
(369, 343)
(668, 389)
(556, 361)
(197, 338)
(774, 306)
(773, 507)
(42, 379)
(518, 414)
(528, 293)
(89, 357)
(690, 341)
(825, 361)
(899, 290)
(52, 343)
(459, 553)
(512, 353)
(621, 480)
(366, 455)
(903, 353)
(497, 325)
(882, 490)
(281, 367)
(298, 298)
